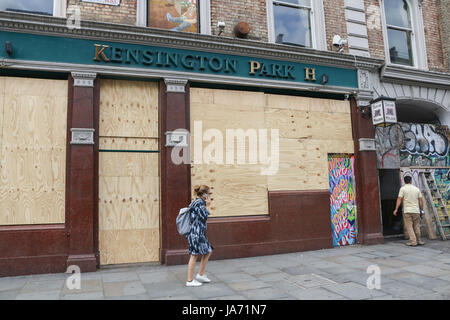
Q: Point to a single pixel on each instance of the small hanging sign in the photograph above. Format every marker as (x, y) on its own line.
(384, 112)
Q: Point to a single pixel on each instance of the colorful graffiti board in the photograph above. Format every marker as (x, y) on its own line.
(342, 199)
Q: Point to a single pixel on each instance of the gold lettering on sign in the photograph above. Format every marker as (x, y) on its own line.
(310, 74)
(254, 65)
(99, 51)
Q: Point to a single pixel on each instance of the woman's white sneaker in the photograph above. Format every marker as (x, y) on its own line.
(193, 283)
(202, 278)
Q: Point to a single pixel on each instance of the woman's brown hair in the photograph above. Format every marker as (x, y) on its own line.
(199, 190)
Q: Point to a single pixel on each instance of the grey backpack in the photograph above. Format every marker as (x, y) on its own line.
(184, 221)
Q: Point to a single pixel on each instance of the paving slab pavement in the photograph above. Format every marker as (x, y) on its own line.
(421, 273)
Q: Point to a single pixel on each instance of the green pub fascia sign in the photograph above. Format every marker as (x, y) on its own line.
(86, 52)
(197, 62)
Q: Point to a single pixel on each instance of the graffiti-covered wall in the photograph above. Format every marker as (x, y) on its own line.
(442, 179)
(412, 145)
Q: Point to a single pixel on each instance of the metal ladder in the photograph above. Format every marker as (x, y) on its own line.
(432, 193)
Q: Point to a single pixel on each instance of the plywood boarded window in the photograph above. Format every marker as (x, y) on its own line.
(128, 172)
(33, 124)
(309, 129)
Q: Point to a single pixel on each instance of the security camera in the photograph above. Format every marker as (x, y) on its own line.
(336, 40)
(221, 26)
(339, 42)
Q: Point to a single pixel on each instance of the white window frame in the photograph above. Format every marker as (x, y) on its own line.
(60, 8)
(317, 18)
(205, 15)
(417, 35)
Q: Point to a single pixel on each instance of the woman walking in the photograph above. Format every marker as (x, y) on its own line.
(197, 241)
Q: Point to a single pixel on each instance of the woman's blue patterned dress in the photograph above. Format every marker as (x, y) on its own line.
(197, 240)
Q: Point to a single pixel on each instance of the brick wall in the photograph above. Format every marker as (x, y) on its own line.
(444, 14)
(433, 38)
(123, 14)
(334, 20)
(234, 11)
(374, 29)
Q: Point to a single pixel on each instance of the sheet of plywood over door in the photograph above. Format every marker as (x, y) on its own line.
(128, 172)
(309, 129)
(33, 123)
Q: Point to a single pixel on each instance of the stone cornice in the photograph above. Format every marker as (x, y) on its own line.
(29, 23)
(407, 75)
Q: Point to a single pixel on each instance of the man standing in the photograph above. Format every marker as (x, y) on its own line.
(412, 208)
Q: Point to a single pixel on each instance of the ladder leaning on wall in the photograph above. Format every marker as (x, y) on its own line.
(432, 194)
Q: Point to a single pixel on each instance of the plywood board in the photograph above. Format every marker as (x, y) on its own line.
(2, 100)
(129, 246)
(128, 173)
(239, 99)
(33, 151)
(128, 212)
(134, 144)
(303, 163)
(237, 190)
(128, 108)
(309, 129)
(15, 86)
(128, 164)
(313, 125)
(129, 203)
(275, 101)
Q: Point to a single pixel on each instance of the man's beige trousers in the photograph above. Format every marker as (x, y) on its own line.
(412, 225)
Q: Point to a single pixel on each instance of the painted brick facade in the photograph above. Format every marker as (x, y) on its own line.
(123, 14)
(444, 15)
(334, 21)
(374, 28)
(430, 9)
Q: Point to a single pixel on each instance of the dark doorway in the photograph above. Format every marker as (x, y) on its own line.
(389, 187)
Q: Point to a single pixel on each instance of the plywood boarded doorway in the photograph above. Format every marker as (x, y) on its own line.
(128, 172)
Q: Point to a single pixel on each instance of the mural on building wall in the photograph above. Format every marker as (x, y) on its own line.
(175, 15)
(409, 145)
(442, 179)
(342, 199)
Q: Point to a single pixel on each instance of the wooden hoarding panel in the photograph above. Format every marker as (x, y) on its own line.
(33, 151)
(128, 172)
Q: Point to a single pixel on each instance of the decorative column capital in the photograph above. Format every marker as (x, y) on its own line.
(175, 85)
(83, 79)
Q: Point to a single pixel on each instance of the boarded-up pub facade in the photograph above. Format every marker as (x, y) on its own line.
(88, 176)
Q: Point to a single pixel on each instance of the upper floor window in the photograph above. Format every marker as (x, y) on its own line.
(399, 31)
(297, 22)
(292, 22)
(55, 8)
(403, 33)
(27, 6)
